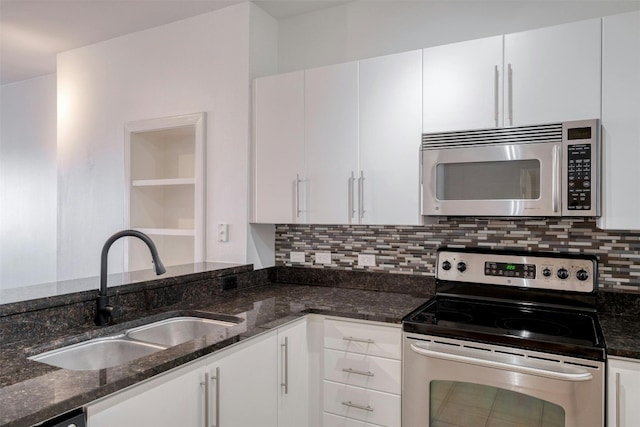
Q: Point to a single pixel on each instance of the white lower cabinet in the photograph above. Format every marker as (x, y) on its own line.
(258, 382)
(293, 373)
(243, 385)
(623, 392)
(362, 372)
(314, 371)
(175, 399)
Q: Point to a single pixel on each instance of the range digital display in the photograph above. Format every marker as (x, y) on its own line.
(504, 269)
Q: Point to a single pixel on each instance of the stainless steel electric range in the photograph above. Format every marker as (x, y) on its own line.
(511, 338)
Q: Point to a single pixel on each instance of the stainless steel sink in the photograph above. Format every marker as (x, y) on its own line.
(177, 330)
(98, 353)
(123, 347)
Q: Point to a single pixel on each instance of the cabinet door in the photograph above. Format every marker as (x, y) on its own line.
(278, 148)
(175, 399)
(331, 142)
(293, 372)
(390, 132)
(623, 392)
(621, 122)
(245, 382)
(462, 87)
(553, 74)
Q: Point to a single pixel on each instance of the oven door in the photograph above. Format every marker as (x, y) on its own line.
(450, 382)
(493, 180)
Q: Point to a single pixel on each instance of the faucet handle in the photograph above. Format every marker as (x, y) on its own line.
(114, 308)
(105, 311)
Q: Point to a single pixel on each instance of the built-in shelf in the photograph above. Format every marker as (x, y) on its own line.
(165, 191)
(162, 182)
(168, 231)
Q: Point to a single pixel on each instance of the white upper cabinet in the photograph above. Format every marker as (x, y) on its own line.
(390, 101)
(553, 74)
(279, 148)
(331, 143)
(462, 87)
(621, 122)
(533, 77)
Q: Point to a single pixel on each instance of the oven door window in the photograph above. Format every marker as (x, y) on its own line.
(461, 404)
(489, 180)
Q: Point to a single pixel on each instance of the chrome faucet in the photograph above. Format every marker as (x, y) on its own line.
(104, 310)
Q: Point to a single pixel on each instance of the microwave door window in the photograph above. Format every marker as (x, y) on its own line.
(490, 180)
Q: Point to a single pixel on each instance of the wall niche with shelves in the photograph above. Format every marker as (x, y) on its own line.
(164, 164)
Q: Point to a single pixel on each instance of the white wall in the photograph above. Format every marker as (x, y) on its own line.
(364, 29)
(197, 64)
(28, 187)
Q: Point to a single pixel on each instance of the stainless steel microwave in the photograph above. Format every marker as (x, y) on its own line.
(542, 170)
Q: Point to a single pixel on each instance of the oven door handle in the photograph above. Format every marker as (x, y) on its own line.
(491, 360)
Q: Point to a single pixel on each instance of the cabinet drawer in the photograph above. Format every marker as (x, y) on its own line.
(330, 420)
(366, 405)
(375, 340)
(361, 370)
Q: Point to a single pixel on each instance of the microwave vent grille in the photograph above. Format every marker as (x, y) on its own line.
(507, 136)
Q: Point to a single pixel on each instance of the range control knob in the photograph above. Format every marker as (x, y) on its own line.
(461, 266)
(563, 273)
(546, 272)
(582, 275)
(446, 266)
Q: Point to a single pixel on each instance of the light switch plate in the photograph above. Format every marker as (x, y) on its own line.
(296, 257)
(366, 260)
(323, 257)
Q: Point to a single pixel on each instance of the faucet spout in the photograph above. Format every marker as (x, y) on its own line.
(103, 311)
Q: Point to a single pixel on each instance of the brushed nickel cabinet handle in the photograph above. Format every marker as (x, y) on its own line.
(353, 405)
(364, 340)
(496, 93)
(352, 210)
(354, 371)
(207, 399)
(510, 95)
(298, 210)
(361, 197)
(285, 358)
(216, 378)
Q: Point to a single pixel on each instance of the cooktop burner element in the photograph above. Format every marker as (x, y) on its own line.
(543, 302)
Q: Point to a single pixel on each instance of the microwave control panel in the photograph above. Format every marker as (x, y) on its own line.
(581, 171)
(579, 177)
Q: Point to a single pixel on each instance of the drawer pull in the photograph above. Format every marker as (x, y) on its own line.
(353, 371)
(353, 405)
(368, 341)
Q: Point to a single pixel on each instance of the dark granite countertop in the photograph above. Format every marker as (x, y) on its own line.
(622, 335)
(31, 392)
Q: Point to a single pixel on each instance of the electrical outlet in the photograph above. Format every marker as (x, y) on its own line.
(229, 283)
(366, 260)
(323, 257)
(223, 232)
(296, 257)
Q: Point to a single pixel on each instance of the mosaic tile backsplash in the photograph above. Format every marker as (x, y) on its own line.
(412, 249)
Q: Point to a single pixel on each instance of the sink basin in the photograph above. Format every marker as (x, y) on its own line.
(177, 330)
(98, 353)
(123, 347)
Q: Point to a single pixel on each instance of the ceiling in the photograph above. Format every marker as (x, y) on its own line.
(32, 32)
